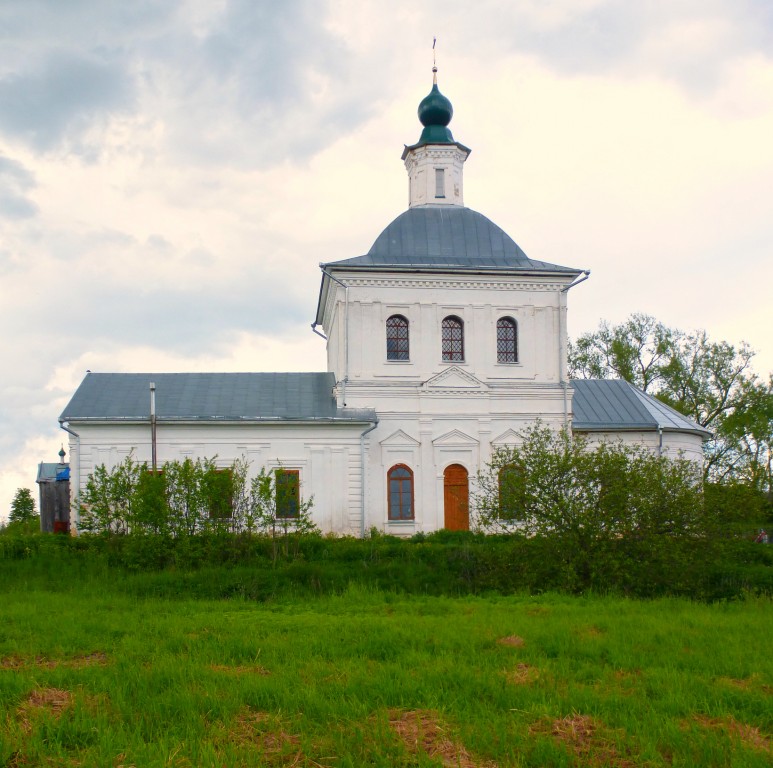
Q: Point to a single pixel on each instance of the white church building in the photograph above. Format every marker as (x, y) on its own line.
(444, 341)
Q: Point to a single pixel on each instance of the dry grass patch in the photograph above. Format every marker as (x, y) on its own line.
(49, 701)
(746, 683)
(513, 641)
(523, 674)
(748, 735)
(589, 633)
(240, 670)
(43, 662)
(422, 731)
(269, 734)
(592, 743)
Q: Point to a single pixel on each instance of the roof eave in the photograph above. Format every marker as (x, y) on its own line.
(702, 433)
(398, 268)
(410, 147)
(183, 420)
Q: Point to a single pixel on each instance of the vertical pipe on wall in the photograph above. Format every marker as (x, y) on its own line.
(153, 425)
(362, 477)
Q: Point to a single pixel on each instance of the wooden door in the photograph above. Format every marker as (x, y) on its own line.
(456, 498)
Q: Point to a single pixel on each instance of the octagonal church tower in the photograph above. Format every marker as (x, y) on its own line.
(450, 332)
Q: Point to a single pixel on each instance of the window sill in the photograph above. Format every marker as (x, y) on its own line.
(399, 362)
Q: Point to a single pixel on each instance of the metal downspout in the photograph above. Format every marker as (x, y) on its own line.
(78, 472)
(561, 347)
(346, 331)
(154, 463)
(660, 441)
(362, 477)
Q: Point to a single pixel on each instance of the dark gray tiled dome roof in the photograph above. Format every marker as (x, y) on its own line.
(438, 237)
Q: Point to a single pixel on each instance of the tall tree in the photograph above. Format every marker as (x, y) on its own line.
(710, 382)
(22, 506)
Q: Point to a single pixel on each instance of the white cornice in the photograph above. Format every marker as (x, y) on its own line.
(507, 282)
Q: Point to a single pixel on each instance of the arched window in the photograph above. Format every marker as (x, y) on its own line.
(453, 340)
(511, 492)
(507, 340)
(400, 492)
(397, 338)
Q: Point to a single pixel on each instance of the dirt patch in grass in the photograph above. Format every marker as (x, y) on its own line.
(589, 633)
(51, 701)
(269, 734)
(592, 743)
(513, 641)
(422, 731)
(748, 735)
(43, 662)
(240, 670)
(523, 674)
(628, 674)
(750, 683)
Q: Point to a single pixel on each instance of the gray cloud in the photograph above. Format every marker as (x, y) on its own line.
(689, 43)
(15, 182)
(251, 86)
(129, 304)
(248, 76)
(58, 100)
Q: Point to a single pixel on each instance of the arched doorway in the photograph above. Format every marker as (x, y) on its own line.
(456, 498)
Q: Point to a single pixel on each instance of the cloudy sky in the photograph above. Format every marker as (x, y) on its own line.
(173, 171)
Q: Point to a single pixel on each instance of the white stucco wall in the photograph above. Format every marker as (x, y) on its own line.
(674, 444)
(327, 457)
(425, 300)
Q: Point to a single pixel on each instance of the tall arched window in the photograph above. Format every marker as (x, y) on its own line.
(507, 340)
(453, 340)
(400, 493)
(512, 484)
(397, 338)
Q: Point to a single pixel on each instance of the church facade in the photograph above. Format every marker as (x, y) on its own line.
(444, 342)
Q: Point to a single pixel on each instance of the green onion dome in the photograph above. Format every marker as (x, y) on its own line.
(435, 113)
(435, 109)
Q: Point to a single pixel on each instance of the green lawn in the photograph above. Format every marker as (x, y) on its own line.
(92, 676)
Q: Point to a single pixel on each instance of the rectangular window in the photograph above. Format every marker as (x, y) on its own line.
(288, 493)
(440, 182)
(219, 487)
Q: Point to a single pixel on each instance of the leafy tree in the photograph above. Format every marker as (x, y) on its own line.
(188, 497)
(710, 382)
(277, 511)
(108, 502)
(22, 506)
(556, 484)
(589, 500)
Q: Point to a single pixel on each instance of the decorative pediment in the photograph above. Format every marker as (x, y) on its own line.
(455, 438)
(508, 437)
(399, 438)
(455, 378)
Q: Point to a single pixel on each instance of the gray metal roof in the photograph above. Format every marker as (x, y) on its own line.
(446, 237)
(210, 397)
(613, 404)
(48, 472)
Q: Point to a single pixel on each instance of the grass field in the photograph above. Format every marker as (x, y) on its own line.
(93, 676)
